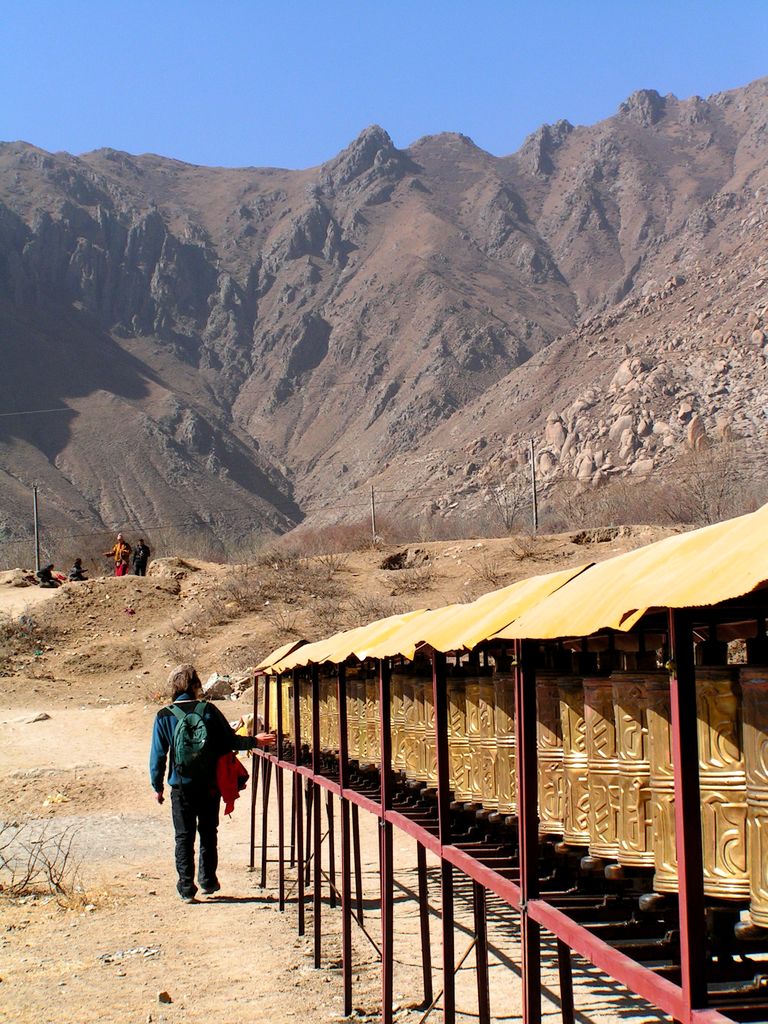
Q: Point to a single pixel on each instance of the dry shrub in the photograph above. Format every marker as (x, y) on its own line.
(21, 636)
(284, 620)
(413, 581)
(362, 610)
(40, 862)
(489, 571)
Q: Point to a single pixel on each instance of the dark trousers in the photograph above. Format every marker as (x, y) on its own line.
(139, 569)
(195, 808)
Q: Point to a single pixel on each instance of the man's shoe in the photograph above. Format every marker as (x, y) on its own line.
(211, 892)
(187, 899)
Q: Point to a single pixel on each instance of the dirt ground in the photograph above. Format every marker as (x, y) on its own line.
(94, 658)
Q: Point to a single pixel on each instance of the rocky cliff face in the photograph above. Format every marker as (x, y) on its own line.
(267, 340)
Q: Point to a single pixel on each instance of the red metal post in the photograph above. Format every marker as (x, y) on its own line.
(317, 892)
(685, 758)
(565, 970)
(385, 846)
(358, 862)
(527, 802)
(279, 783)
(481, 954)
(426, 944)
(440, 696)
(298, 802)
(329, 814)
(346, 867)
(266, 778)
(255, 763)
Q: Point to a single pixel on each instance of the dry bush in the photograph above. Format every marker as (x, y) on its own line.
(362, 610)
(488, 571)
(283, 620)
(40, 862)
(413, 581)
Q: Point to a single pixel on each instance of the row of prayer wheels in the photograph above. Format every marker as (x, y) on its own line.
(606, 779)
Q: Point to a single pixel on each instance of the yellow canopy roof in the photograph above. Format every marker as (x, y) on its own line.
(279, 653)
(693, 569)
(463, 626)
(340, 646)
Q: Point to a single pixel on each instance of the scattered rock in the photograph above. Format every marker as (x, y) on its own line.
(164, 997)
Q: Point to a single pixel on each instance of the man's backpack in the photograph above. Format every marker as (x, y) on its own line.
(192, 748)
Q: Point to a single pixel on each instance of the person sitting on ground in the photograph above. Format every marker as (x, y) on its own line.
(141, 555)
(46, 577)
(121, 552)
(195, 797)
(77, 573)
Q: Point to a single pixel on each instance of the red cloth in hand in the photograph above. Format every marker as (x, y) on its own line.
(231, 779)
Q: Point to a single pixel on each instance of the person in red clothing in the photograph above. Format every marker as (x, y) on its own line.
(121, 553)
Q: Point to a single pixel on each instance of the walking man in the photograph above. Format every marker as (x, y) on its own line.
(190, 736)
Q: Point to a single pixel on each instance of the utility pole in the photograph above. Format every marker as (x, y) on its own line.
(534, 496)
(373, 516)
(37, 529)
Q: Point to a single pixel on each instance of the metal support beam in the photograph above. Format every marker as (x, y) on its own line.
(330, 817)
(685, 758)
(565, 970)
(280, 788)
(527, 782)
(255, 763)
(481, 954)
(298, 802)
(385, 846)
(358, 863)
(346, 866)
(426, 944)
(317, 891)
(440, 697)
(266, 778)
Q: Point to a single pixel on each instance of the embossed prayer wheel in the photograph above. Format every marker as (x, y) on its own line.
(458, 740)
(397, 722)
(472, 697)
(426, 765)
(549, 745)
(372, 722)
(662, 780)
(754, 685)
(354, 715)
(305, 711)
(411, 728)
(329, 715)
(722, 783)
(602, 768)
(575, 788)
(506, 768)
(489, 796)
(635, 829)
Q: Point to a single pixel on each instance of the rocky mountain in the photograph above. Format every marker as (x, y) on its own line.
(238, 350)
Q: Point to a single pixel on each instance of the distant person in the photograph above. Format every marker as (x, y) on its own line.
(46, 578)
(77, 573)
(194, 794)
(121, 553)
(125, 564)
(141, 555)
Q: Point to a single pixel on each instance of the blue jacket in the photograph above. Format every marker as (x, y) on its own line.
(221, 733)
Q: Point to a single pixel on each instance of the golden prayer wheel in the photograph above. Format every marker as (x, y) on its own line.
(549, 744)
(372, 721)
(426, 764)
(411, 728)
(305, 711)
(722, 783)
(489, 796)
(506, 769)
(635, 830)
(602, 768)
(472, 698)
(458, 740)
(354, 687)
(397, 723)
(329, 715)
(754, 684)
(575, 788)
(662, 780)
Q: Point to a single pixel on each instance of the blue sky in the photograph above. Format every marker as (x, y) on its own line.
(291, 82)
